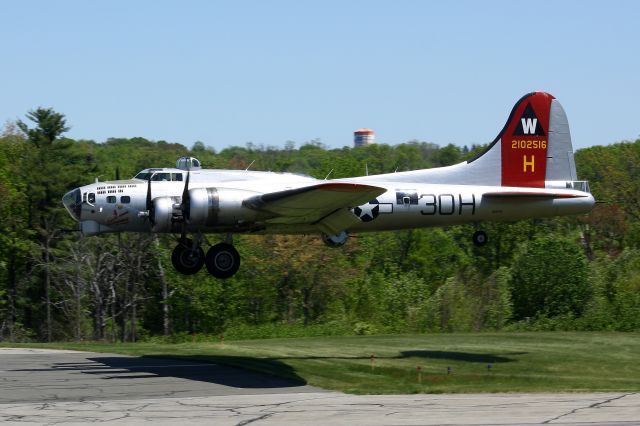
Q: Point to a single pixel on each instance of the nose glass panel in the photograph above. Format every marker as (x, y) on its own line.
(72, 201)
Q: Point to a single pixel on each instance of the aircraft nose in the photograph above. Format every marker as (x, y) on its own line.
(72, 201)
(592, 201)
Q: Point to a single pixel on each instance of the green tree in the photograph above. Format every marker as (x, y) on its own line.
(49, 169)
(16, 238)
(450, 308)
(50, 126)
(616, 302)
(549, 278)
(495, 304)
(614, 176)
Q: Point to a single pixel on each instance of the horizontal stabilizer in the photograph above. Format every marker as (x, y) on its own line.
(530, 194)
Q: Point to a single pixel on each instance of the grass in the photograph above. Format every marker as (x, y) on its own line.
(519, 362)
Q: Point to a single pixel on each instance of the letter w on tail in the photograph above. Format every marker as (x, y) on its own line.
(529, 125)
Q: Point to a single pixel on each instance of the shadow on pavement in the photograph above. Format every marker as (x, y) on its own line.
(238, 372)
(221, 370)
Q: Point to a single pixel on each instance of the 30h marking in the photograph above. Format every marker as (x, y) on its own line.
(445, 204)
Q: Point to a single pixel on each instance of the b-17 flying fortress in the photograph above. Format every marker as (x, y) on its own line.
(528, 171)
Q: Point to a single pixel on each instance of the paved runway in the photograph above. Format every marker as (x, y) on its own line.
(65, 387)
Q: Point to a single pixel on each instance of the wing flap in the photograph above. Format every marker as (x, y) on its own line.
(337, 222)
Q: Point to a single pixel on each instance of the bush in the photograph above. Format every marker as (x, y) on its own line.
(549, 278)
(283, 330)
(364, 329)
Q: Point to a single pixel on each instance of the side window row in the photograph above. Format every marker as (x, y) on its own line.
(125, 199)
(91, 198)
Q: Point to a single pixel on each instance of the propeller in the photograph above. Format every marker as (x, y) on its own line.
(185, 205)
(150, 208)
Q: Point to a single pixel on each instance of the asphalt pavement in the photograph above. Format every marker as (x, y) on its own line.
(39, 386)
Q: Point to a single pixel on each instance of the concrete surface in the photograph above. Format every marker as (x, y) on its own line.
(66, 387)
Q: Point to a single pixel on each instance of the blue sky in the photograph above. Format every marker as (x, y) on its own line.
(230, 72)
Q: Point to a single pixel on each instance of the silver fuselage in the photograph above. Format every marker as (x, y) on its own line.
(404, 205)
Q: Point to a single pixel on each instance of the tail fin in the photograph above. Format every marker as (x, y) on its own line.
(524, 142)
(535, 144)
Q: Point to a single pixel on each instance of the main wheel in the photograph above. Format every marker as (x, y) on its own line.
(480, 238)
(336, 240)
(223, 260)
(185, 259)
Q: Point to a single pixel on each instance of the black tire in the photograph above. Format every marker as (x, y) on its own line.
(186, 260)
(480, 238)
(337, 240)
(222, 260)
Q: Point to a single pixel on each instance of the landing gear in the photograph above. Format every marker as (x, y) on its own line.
(336, 240)
(480, 238)
(186, 259)
(222, 260)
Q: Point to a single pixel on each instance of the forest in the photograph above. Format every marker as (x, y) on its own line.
(571, 273)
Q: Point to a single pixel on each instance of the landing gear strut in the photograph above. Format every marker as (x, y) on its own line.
(222, 260)
(186, 259)
(480, 238)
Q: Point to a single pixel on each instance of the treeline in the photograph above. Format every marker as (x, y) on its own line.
(565, 273)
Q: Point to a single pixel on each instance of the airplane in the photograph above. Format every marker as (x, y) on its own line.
(528, 171)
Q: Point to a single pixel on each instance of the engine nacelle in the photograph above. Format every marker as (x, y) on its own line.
(166, 214)
(215, 207)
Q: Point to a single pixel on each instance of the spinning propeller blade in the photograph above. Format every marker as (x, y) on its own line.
(185, 205)
(149, 205)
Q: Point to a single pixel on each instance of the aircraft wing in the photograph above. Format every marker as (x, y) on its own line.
(323, 204)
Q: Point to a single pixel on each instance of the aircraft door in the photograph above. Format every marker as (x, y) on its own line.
(406, 198)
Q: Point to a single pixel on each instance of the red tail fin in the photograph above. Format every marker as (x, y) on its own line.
(524, 141)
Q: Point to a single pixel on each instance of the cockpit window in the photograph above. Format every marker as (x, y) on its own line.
(143, 175)
(91, 198)
(73, 203)
(158, 177)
